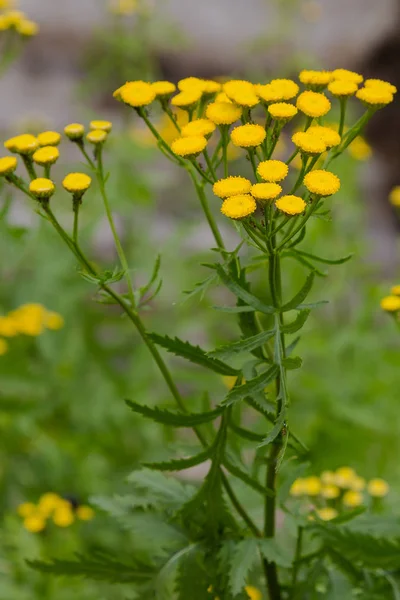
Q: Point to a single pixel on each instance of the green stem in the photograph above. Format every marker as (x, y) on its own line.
(29, 166)
(210, 219)
(209, 165)
(297, 558)
(76, 206)
(343, 104)
(225, 142)
(86, 155)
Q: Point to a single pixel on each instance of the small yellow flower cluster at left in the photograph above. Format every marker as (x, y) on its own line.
(391, 303)
(16, 20)
(123, 7)
(334, 491)
(52, 507)
(28, 319)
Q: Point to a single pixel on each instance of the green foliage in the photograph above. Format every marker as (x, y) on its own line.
(166, 417)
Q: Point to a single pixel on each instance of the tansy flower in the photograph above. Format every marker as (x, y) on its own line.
(374, 96)
(344, 476)
(211, 87)
(234, 86)
(329, 136)
(315, 78)
(248, 136)
(291, 205)
(123, 7)
(49, 138)
(26, 509)
(238, 207)
(163, 88)
(47, 155)
(3, 347)
(380, 84)
(22, 144)
(357, 483)
(321, 182)
(265, 191)
(76, 182)
(223, 113)
(286, 88)
(342, 88)
(330, 491)
(42, 187)
(253, 593)
(282, 111)
(312, 484)
(390, 303)
(187, 99)
(378, 488)
(309, 143)
(394, 196)
(395, 291)
(74, 131)
(53, 321)
(63, 515)
(189, 146)
(27, 28)
(101, 125)
(8, 164)
(14, 17)
(29, 318)
(352, 499)
(246, 99)
(359, 148)
(136, 93)
(85, 513)
(222, 97)
(97, 136)
(8, 326)
(298, 487)
(272, 170)
(48, 503)
(231, 186)
(327, 513)
(35, 523)
(328, 478)
(346, 75)
(313, 104)
(203, 127)
(188, 84)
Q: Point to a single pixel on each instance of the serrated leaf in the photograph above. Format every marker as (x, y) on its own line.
(240, 292)
(247, 345)
(246, 434)
(166, 417)
(272, 552)
(250, 387)
(275, 431)
(297, 324)
(235, 309)
(291, 363)
(244, 556)
(327, 261)
(160, 489)
(192, 353)
(144, 289)
(201, 287)
(165, 579)
(303, 261)
(246, 478)
(181, 464)
(300, 296)
(192, 580)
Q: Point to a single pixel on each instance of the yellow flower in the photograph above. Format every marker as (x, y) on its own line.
(327, 513)
(359, 149)
(315, 78)
(265, 191)
(282, 111)
(14, 17)
(312, 484)
(378, 488)
(342, 88)
(253, 593)
(63, 515)
(8, 164)
(8, 326)
(48, 503)
(329, 136)
(352, 499)
(238, 207)
(313, 104)
(123, 7)
(22, 144)
(344, 476)
(249, 99)
(321, 182)
(189, 84)
(394, 196)
(374, 96)
(211, 87)
(163, 88)
(187, 99)
(357, 483)
(76, 182)
(234, 86)
(49, 138)
(101, 125)
(3, 347)
(379, 84)
(47, 155)
(74, 131)
(328, 478)
(42, 187)
(390, 303)
(222, 97)
(223, 113)
(85, 513)
(272, 170)
(26, 509)
(395, 291)
(35, 523)
(330, 491)
(345, 75)
(27, 28)
(203, 127)
(29, 318)
(4, 25)
(97, 136)
(231, 186)
(53, 321)
(136, 93)
(286, 88)
(298, 487)
(248, 136)
(309, 143)
(291, 205)
(189, 146)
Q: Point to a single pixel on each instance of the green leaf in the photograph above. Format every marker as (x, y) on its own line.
(250, 387)
(240, 292)
(298, 323)
(165, 579)
(193, 578)
(349, 515)
(292, 346)
(244, 556)
(272, 552)
(166, 417)
(192, 353)
(234, 309)
(180, 464)
(265, 408)
(144, 289)
(201, 287)
(246, 434)
(312, 305)
(246, 478)
(291, 363)
(303, 261)
(327, 261)
(159, 489)
(300, 296)
(247, 345)
(275, 431)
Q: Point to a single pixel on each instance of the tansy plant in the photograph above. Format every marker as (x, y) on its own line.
(236, 530)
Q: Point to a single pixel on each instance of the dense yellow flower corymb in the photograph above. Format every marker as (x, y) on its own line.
(345, 75)
(248, 136)
(223, 113)
(47, 155)
(101, 125)
(291, 205)
(76, 182)
(342, 88)
(189, 146)
(42, 187)
(380, 84)
(374, 96)
(282, 111)
(74, 131)
(187, 98)
(163, 88)
(327, 513)
(136, 93)
(234, 86)
(238, 207)
(203, 127)
(8, 164)
(390, 303)
(352, 499)
(329, 136)
(394, 196)
(272, 170)
(265, 191)
(321, 182)
(378, 488)
(49, 138)
(309, 143)
(313, 104)
(330, 491)
(231, 186)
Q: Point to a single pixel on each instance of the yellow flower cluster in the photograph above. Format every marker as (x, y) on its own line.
(391, 303)
(16, 21)
(28, 319)
(55, 508)
(123, 7)
(334, 491)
